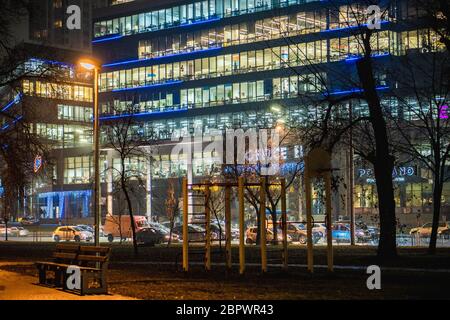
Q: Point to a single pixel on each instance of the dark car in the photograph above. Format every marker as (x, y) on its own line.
(196, 233)
(150, 236)
(217, 230)
(165, 231)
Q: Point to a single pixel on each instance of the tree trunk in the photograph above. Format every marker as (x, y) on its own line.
(382, 160)
(130, 210)
(258, 224)
(172, 222)
(6, 229)
(274, 225)
(437, 195)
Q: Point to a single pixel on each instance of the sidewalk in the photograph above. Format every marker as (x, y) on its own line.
(14, 286)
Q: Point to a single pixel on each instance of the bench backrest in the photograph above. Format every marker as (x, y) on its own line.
(89, 256)
(66, 253)
(85, 256)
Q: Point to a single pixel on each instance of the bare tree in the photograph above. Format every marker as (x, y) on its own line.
(172, 205)
(127, 139)
(437, 13)
(332, 125)
(423, 127)
(18, 150)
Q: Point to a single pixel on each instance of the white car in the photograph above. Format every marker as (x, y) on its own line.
(3, 230)
(19, 232)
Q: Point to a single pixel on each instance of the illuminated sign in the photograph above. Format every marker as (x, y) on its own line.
(443, 112)
(37, 164)
(399, 174)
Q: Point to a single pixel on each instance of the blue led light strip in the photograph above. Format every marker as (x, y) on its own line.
(373, 56)
(149, 86)
(198, 22)
(142, 114)
(107, 39)
(16, 100)
(7, 125)
(353, 91)
(158, 58)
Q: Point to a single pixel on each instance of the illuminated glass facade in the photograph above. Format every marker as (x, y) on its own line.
(57, 101)
(220, 64)
(185, 15)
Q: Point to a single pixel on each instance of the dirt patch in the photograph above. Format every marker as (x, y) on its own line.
(158, 283)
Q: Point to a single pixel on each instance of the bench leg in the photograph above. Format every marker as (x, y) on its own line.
(60, 281)
(42, 275)
(86, 277)
(84, 283)
(104, 282)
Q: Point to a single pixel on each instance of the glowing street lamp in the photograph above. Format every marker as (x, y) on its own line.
(92, 65)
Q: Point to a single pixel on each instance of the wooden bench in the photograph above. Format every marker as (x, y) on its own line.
(92, 261)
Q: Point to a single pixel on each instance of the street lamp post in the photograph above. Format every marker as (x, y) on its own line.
(91, 65)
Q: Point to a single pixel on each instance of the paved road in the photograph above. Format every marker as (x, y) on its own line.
(401, 242)
(18, 287)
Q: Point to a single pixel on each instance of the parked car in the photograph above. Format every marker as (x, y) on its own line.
(298, 232)
(373, 232)
(86, 227)
(165, 231)
(150, 236)
(445, 233)
(29, 221)
(425, 230)
(218, 230)
(196, 232)
(69, 233)
(4, 230)
(341, 233)
(166, 224)
(19, 231)
(321, 228)
(251, 234)
(159, 226)
(362, 236)
(120, 226)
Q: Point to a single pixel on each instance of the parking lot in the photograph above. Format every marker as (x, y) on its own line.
(296, 235)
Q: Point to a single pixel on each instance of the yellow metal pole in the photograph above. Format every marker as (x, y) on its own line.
(329, 222)
(284, 223)
(309, 216)
(263, 227)
(241, 225)
(208, 228)
(228, 225)
(185, 226)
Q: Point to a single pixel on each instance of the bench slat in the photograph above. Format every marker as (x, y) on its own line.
(64, 255)
(67, 247)
(94, 249)
(91, 258)
(62, 265)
